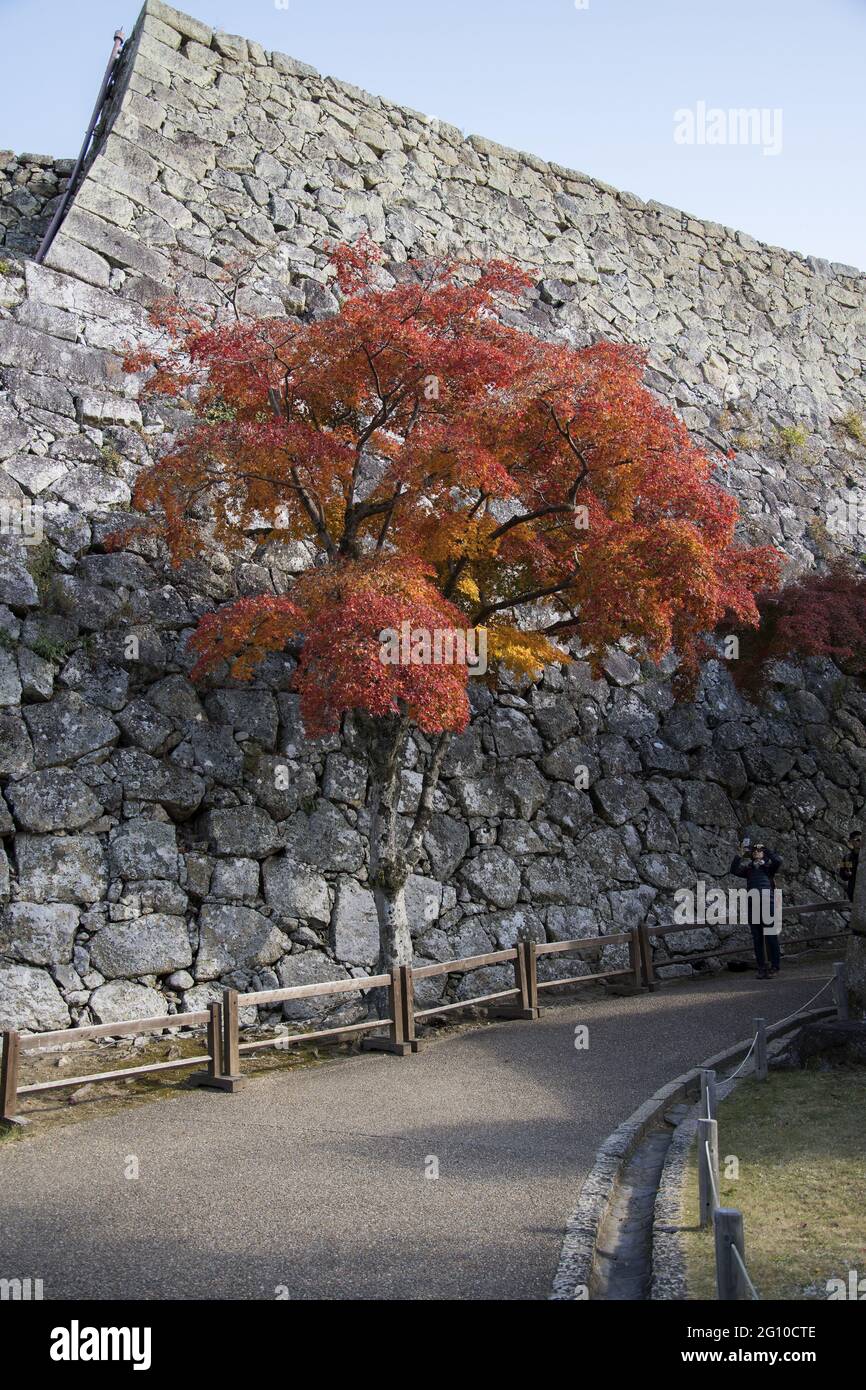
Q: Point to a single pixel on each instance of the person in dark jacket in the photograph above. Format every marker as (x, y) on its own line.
(759, 866)
(848, 870)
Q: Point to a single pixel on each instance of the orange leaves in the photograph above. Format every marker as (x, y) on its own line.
(447, 470)
(242, 633)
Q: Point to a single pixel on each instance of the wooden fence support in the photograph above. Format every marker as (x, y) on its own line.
(646, 954)
(760, 1049)
(708, 1170)
(840, 988)
(401, 1038)
(708, 1095)
(635, 958)
(217, 1077)
(530, 974)
(230, 1077)
(9, 1079)
(526, 982)
(730, 1280)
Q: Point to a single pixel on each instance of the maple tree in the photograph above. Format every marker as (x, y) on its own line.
(815, 614)
(448, 471)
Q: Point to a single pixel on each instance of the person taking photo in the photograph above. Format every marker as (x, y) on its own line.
(759, 866)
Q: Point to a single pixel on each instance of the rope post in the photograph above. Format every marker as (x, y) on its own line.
(9, 1079)
(760, 1049)
(730, 1281)
(840, 989)
(646, 951)
(708, 1095)
(708, 1170)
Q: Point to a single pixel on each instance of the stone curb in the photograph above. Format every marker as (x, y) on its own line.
(577, 1256)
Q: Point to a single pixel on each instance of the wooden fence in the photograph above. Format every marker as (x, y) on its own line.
(650, 934)
(222, 1060)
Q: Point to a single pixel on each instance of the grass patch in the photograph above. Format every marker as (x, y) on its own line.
(792, 438)
(800, 1139)
(50, 650)
(40, 563)
(852, 424)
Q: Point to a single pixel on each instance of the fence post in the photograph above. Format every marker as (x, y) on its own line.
(526, 982)
(646, 951)
(840, 989)
(708, 1095)
(9, 1079)
(634, 958)
(760, 1049)
(215, 1077)
(708, 1169)
(730, 1282)
(401, 1037)
(530, 954)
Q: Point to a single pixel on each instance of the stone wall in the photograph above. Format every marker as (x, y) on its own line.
(31, 186)
(164, 840)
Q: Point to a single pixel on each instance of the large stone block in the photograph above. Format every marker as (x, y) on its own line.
(355, 925)
(141, 849)
(315, 968)
(68, 728)
(63, 868)
(160, 780)
(122, 1000)
(493, 876)
(39, 933)
(52, 800)
(152, 945)
(294, 890)
(325, 839)
(247, 831)
(30, 1000)
(236, 938)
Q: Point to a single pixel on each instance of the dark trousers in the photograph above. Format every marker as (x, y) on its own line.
(762, 952)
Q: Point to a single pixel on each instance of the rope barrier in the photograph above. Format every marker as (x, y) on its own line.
(743, 1063)
(803, 1006)
(753, 1291)
(712, 1175)
(777, 1024)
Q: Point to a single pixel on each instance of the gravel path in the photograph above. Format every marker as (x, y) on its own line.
(314, 1180)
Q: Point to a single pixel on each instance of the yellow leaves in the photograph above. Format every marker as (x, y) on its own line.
(524, 653)
(459, 537)
(468, 589)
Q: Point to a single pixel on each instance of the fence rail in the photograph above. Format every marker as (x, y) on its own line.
(222, 1018)
(649, 934)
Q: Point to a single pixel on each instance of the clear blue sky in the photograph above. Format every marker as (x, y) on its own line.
(593, 88)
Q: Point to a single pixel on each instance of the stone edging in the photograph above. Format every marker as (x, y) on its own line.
(576, 1259)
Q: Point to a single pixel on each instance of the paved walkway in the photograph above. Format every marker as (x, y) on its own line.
(314, 1179)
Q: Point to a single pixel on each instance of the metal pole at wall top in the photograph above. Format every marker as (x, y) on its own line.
(70, 187)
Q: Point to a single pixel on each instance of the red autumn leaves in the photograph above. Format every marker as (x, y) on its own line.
(447, 469)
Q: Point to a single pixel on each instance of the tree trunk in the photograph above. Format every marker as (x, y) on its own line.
(395, 938)
(394, 852)
(855, 959)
